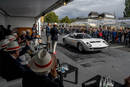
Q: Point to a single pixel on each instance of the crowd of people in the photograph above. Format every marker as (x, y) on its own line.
(111, 35)
(37, 69)
(19, 57)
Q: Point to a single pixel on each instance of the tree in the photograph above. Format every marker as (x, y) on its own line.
(127, 8)
(65, 20)
(51, 18)
(72, 20)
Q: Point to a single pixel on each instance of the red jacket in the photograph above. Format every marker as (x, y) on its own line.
(100, 34)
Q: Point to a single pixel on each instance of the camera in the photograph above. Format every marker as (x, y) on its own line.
(63, 68)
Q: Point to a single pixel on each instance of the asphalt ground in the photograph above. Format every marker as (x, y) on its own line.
(113, 62)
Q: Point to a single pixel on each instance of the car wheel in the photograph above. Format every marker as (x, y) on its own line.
(80, 47)
(64, 42)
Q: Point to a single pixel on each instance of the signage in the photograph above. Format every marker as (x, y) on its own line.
(109, 16)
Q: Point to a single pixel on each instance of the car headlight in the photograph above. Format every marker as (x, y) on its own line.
(105, 42)
(88, 44)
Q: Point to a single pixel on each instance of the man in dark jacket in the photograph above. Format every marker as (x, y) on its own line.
(28, 35)
(8, 30)
(119, 36)
(129, 37)
(2, 32)
(43, 73)
(54, 37)
(31, 79)
(126, 37)
(3, 45)
(34, 27)
(11, 68)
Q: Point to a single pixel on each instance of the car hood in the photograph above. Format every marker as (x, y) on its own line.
(95, 42)
(65, 36)
(91, 39)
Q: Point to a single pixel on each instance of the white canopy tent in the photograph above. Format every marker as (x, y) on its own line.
(29, 8)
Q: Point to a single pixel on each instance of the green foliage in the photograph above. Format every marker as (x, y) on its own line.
(127, 8)
(51, 18)
(65, 20)
(72, 20)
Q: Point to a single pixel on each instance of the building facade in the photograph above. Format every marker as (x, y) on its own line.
(96, 20)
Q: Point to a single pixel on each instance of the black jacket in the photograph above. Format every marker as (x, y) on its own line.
(54, 34)
(2, 56)
(24, 50)
(30, 79)
(11, 68)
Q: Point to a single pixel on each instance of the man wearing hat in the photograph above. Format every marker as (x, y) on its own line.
(3, 45)
(17, 37)
(11, 37)
(34, 26)
(24, 42)
(12, 69)
(33, 36)
(42, 64)
(28, 35)
(54, 37)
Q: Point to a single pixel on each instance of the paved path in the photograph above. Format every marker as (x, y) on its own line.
(111, 62)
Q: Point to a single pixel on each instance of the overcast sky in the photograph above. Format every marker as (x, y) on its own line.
(81, 8)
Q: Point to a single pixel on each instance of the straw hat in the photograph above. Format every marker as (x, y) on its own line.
(42, 62)
(28, 31)
(33, 30)
(11, 37)
(55, 23)
(15, 34)
(23, 32)
(13, 46)
(3, 43)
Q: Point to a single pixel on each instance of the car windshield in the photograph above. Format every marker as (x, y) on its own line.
(82, 36)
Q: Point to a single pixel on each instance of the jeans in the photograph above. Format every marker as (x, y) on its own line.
(54, 44)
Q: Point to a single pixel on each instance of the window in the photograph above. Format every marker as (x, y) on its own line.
(72, 36)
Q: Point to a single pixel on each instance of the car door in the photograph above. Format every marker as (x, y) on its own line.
(73, 40)
(70, 39)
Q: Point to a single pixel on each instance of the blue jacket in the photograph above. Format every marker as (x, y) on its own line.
(47, 31)
(114, 34)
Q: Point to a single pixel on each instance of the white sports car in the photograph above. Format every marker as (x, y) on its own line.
(84, 42)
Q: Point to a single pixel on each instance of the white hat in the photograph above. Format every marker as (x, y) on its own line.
(3, 43)
(28, 31)
(11, 37)
(25, 59)
(15, 34)
(13, 46)
(23, 32)
(42, 62)
(55, 23)
(34, 31)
